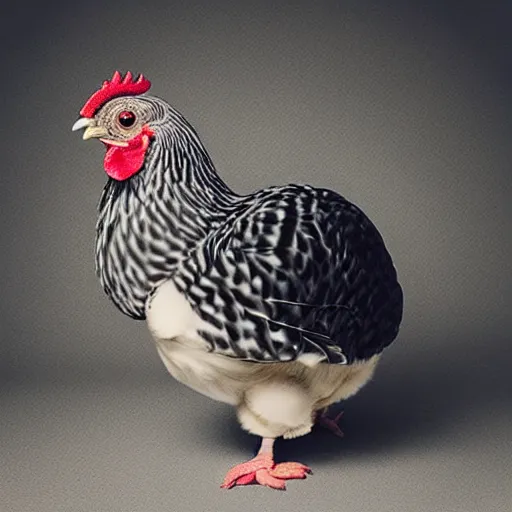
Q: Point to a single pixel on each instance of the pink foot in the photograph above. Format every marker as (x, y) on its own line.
(330, 424)
(264, 471)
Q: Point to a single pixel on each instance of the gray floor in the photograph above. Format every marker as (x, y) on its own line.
(420, 437)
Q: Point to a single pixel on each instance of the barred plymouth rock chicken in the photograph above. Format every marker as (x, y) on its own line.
(278, 302)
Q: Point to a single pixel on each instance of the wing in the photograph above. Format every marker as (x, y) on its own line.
(303, 275)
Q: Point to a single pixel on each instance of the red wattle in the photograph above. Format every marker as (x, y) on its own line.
(122, 163)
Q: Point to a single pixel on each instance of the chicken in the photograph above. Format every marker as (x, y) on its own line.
(279, 302)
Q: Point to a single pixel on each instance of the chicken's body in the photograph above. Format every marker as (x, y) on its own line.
(279, 302)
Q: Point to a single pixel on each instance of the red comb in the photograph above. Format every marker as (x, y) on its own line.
(116, 87)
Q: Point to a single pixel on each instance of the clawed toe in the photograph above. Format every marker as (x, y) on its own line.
(263, 471)
(331, 424)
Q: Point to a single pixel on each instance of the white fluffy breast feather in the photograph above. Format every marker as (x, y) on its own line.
(169, 314)
(174, 325)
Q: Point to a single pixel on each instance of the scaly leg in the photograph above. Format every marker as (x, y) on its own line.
(264, 471)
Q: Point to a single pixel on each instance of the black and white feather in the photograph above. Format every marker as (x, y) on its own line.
(286, 273)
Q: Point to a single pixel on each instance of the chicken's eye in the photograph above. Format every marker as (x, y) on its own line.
(126, 118)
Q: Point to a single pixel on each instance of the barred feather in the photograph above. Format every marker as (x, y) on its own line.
(278, 274)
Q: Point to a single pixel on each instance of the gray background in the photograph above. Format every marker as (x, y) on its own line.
(404, 109)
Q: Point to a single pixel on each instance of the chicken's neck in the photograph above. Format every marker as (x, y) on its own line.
(148, 224)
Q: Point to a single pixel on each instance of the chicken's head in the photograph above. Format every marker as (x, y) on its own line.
(119, 117)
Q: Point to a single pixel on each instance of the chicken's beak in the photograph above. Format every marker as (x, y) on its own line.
(91, 130)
